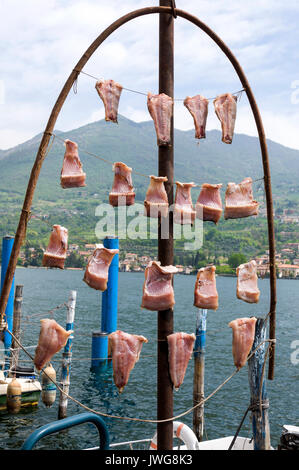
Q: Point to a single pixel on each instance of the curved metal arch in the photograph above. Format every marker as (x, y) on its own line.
(41, 154)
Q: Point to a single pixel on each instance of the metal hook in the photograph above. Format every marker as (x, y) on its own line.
(173, 6)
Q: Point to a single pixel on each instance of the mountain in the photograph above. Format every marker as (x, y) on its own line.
(133, 143)
(207, 160)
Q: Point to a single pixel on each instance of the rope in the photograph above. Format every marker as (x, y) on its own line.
(131, 418)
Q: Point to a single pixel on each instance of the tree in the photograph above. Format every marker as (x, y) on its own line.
(236, 259)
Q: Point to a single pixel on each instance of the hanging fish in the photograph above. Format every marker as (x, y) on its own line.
(156, 200)
(198, 107)
(180, 348)
(205, 292)
(52, 338)
(122, 193)
(97, 269)
(126, 350)
(247, 288)
(243, 337)
(239, 201)
(226, 111)
(55, 254)
(209, 205)
(158, 293)
(72, 175)
(161, 110)
(184, 212)
(109, 91)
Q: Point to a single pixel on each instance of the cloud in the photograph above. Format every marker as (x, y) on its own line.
(40, 48)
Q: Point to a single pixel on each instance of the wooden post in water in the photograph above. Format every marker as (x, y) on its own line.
(165, 245)
(199, 373)
(16, 329)
(67, 356)
(258, 394)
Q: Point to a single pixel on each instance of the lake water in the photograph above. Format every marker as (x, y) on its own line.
(45, 289)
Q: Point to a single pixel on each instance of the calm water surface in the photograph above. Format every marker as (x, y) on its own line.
(45, 289)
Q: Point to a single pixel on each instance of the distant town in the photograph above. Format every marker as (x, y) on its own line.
(287, 261)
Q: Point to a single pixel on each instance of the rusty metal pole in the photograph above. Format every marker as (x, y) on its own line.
(165, 246)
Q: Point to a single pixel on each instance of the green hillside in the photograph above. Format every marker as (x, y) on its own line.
(135, 144)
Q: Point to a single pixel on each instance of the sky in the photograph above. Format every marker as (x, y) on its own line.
(41, 42)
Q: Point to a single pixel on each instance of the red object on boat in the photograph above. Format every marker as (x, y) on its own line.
(239, 201)
(52, 338)
(126, 350)
(247, 288)
(158, 293)
(72, 175)
(97, 269)
(55, 254)
(156, 200)
(198, 107)
(161, 110)
(122, 193)
(209, 205)
(109, 91)
(184, 212)
(205, 292)
(226, 111)
(180, 348)
(243, 337)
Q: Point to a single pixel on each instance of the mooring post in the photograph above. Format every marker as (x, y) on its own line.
(165, 246)
(7, 244)
(16, 328)
(258, 393)
(199, 373)
(67, 356)
(100, 344)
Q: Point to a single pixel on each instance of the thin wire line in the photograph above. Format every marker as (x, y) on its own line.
(139, 419)
(239, 92)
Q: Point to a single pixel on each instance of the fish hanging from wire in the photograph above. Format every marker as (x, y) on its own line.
(109, 91)
(156, 200)
(180, 349)
(72, 175)
(209, 205)
(122, 192)
(239, 201)
(52, 338)
(205, 291)
(161, 110)
(198, 107)
(55, 254)
(183, 212)
(226, 111)
(243, 337)
(126, 350)
(97, 269)
(247, 288)
(158, 293)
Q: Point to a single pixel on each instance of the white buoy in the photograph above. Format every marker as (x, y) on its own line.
(48, 387)
(14, 396)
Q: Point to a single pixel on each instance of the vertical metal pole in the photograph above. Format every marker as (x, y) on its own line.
(7, 244)
(100, 349)
(258, 393)
(16, 329)
(109, 296)
(67, 356)
(165, 246)
(199, 373)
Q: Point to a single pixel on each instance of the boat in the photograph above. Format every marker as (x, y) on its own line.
(31, 390)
